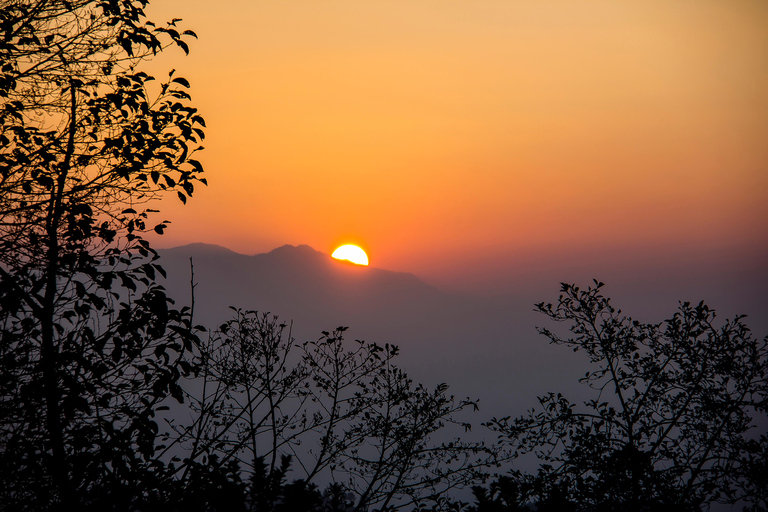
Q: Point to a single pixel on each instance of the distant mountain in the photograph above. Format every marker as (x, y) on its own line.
(485, 348)
(296, 283)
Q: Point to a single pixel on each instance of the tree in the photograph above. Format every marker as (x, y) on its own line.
(674, 422)
(340, 411)
(90, 346)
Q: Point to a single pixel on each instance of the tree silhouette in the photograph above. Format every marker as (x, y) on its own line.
(674, 424)
(91, 346)
(343, 411)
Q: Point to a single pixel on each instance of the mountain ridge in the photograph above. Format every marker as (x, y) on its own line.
(305, 260)
(277, 251)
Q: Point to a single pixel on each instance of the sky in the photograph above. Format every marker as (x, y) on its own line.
(484, 144)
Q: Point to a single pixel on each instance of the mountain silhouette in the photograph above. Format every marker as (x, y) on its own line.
(486, 348)
(297, 283)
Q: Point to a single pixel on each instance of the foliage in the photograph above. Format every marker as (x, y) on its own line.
(673, 424)
(502, 495)
(344, 411)
(90, 346)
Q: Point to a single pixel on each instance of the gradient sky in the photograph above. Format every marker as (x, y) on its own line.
(481, 143)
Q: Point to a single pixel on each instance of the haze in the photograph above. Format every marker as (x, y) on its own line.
(485, 146)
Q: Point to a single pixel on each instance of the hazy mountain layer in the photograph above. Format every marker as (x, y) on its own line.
(485, 348)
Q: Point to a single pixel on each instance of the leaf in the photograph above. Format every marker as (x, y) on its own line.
(127, 281)
(160, 269)
(126, 44)
(181, 80)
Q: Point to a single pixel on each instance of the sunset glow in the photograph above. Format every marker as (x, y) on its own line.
(471, 139)
(351, 253)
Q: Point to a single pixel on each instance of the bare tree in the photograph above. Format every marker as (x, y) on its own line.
(343, 411)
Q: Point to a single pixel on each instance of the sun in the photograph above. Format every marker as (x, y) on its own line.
(351, 253)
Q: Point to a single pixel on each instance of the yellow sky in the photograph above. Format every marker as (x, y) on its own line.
(439, 133)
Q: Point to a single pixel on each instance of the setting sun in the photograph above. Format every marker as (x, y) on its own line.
(351, 253)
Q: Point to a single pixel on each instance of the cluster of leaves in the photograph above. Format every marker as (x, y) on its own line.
(82, 134)
(90, 344)
(674, 419)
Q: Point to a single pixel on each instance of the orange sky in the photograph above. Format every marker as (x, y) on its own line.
(451, 136)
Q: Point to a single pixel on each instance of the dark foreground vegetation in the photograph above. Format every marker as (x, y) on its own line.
(113, 399)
